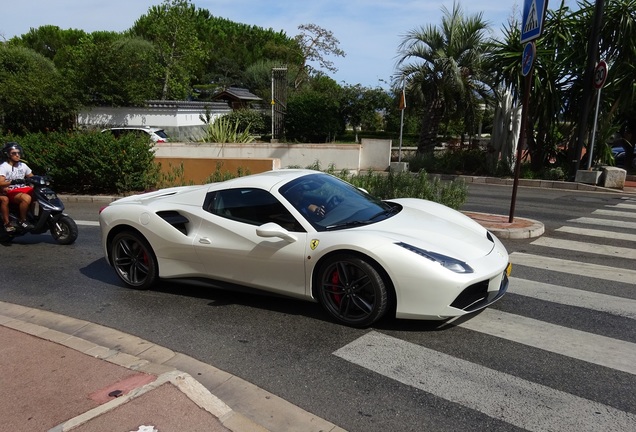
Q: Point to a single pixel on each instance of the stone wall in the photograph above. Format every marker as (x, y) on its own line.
(372, 155)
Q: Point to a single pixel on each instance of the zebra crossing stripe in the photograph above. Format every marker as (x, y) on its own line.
(577, 344)
(614, 213)
(597, 233)
(624, 206)
(499, 395)
(574, 267)
(605, 222)
(598, 249)
(574, 297)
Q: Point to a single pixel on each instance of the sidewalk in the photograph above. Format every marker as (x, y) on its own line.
(63, 374)
(59, 373)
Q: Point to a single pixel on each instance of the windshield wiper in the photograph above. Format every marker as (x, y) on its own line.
(391, 211)
(348, 224)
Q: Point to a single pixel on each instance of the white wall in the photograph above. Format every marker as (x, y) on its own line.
(180, 119)
(370, 155)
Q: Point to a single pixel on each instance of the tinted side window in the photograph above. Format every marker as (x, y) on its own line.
(251, 206)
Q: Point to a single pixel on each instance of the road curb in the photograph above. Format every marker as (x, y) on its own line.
(519, 228)
(257, 410)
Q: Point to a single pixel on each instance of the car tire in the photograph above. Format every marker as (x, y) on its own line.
(134, 260)
(351, 290)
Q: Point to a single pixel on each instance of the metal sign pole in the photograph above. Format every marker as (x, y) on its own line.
(600, 75)
(521, 144)
(589, 159)
(527, 66)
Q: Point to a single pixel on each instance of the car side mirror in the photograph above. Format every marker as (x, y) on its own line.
(272, 229)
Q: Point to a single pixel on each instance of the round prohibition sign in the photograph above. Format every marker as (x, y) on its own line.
(527, 59)
(600, 74)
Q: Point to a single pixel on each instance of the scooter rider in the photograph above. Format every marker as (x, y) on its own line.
(12, 174)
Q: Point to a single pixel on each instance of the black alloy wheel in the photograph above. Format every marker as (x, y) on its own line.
(352, 291)
(133, 260)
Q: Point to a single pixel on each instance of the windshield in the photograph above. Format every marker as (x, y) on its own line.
(329, 203)
(161, 133)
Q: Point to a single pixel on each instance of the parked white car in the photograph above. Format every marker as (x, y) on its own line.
(157, 135)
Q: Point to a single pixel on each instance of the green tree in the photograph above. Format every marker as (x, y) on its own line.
(171, 28)
(34, 96)
(361, 106)
(316, 44)
(50, 41)
(444, 68)
(234, 48)
(110, 69)
(618, 49)
(557, 85)
(314, 114)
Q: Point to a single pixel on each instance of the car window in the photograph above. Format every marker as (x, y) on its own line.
(251, 206)
(162, 134)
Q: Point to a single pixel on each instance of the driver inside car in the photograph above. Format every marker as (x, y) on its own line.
(308, 209)
(12, 177)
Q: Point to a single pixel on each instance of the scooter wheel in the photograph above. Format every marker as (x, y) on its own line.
(64, 231)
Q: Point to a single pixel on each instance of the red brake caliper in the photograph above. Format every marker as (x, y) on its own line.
(335, 280)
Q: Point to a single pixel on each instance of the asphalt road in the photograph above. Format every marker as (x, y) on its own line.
(519, 366)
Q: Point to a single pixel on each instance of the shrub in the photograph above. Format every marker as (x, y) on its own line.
(226, 130)
(312, 117)
(470, 162)
(404, 184)
(250, 120)
(91, 162)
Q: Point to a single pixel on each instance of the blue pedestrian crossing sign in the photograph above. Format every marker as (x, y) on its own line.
(532, 21)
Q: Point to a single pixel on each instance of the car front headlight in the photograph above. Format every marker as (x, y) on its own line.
(450, 263)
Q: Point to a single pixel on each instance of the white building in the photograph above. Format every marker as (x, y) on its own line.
(182, 120)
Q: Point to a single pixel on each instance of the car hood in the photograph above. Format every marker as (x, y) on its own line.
(434, 227)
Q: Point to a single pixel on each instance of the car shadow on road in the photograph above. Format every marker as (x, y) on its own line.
(217, 294)
(222, 294)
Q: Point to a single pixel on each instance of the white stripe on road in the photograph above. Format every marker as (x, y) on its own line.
(87, 223)
(614, 213)
(574, 297)
(577, 344)
(502, 396)
(574, 267)
(624, 206)
(599, 249)
(605, 222)
(597, 233)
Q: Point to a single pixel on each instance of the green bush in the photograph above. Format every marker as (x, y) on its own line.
(312, 117)
(468, 162)
(90, 162)
(404, 184)
(251, 120)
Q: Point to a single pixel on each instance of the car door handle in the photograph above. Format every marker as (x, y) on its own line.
(205, 240)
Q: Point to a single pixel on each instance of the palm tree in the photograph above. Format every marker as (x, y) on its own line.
(557, 86)
(552, 81)
(443, 66)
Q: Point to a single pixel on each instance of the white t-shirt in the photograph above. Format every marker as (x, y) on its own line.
(17, 171)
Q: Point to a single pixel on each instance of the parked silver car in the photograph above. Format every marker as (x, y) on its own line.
(156, 134)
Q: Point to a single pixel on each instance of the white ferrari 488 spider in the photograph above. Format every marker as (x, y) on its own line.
(312, 236)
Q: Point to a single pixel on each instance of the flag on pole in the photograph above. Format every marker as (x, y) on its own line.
(402, 99)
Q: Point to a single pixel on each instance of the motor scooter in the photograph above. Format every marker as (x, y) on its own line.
(47, 214)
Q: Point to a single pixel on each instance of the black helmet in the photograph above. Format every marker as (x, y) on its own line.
(6, 150)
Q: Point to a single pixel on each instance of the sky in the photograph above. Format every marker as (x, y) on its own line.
(369, 31)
